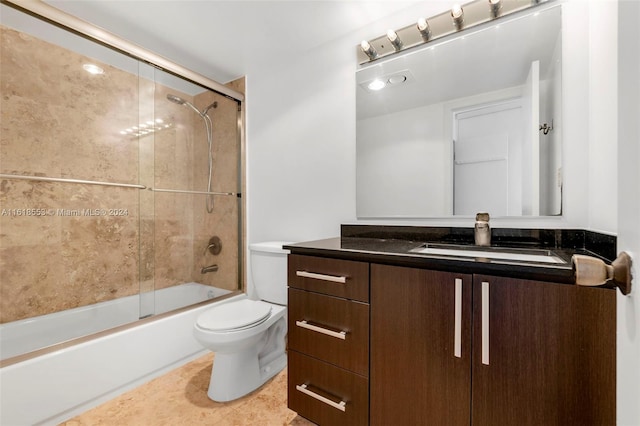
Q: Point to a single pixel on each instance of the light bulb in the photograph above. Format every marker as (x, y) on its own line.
(376, 84)
(423, 28)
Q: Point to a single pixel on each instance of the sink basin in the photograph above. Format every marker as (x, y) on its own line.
(497, 253)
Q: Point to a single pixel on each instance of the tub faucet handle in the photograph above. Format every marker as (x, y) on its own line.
(214, 247)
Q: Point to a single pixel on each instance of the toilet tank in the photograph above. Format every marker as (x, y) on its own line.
(269, 270)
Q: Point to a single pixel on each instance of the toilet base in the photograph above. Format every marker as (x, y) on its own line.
(228, 382)
(238, 373)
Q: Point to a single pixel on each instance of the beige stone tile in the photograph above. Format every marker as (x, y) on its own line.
(180, 397)
(56, 120)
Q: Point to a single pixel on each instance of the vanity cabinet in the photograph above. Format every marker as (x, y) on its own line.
(384, 345)
(328, 340)
(531, 353)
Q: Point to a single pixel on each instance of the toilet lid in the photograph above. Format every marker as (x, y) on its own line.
(234, 315)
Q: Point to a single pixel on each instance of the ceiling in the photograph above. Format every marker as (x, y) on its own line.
(226, 39)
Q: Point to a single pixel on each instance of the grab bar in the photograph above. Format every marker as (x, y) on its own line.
(119, 185)
(77, 181)
(182, 191)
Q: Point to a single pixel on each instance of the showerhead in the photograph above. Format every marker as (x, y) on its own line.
(178, 100)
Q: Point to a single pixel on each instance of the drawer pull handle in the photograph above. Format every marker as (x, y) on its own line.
(485, 323)
(457, 333)
(323, 277)
(337, 334)
(338, 405)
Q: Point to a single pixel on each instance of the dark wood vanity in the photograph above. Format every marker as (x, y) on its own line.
(382, 339)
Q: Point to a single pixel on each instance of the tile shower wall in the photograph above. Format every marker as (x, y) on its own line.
(59, 121)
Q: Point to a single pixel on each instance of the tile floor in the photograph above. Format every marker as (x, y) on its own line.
(180, 398)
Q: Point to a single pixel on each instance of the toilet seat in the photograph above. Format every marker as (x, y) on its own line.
(235, 316)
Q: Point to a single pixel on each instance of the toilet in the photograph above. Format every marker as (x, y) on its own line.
(248, 336)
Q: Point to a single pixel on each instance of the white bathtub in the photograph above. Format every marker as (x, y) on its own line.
(54, 387)
(27, 335)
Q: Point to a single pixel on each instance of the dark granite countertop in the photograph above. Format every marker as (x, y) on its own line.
(397, 252)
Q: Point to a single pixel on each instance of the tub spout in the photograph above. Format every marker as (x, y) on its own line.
(210, 268)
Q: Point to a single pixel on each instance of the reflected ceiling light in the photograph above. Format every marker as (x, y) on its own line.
(423, 27)
(368, 50)
(147, 128)
(495, 6)
(457, 14)
(92, 69)
(376, 84)
(395, 40)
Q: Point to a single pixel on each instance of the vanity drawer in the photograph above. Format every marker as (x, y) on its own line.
(316, 390)
(315, 325)
(341, 278)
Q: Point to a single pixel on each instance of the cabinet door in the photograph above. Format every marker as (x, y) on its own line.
(420, 349)
(544, 353)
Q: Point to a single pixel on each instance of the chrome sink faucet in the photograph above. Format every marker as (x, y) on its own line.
(482, 231)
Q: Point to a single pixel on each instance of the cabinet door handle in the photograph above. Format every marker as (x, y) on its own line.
(338, 405)
(322, 277)
(485, 323)
(337, 334)
(457, 334)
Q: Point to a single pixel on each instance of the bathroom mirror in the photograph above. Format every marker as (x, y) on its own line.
(464, 124)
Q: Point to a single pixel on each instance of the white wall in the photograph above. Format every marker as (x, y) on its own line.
(301, 146)
(628, 342)
(603, 113)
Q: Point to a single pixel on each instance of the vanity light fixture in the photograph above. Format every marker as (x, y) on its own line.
(92, 69)
(427, 30)
(395, 40)
(423, 28)
(495, 6)
(368, 50)
(457, 15)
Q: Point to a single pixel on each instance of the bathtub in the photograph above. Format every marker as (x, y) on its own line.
(60, 384)
(27, 335)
